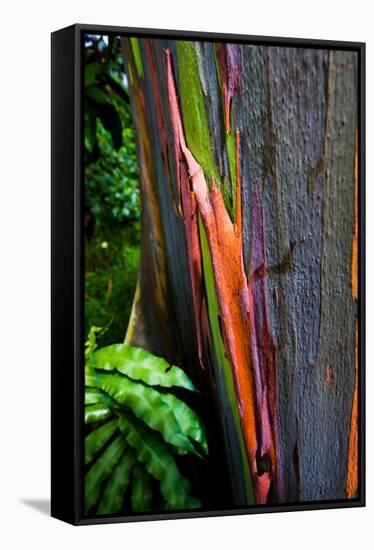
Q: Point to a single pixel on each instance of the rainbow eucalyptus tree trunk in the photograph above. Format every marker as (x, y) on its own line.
(248, 272)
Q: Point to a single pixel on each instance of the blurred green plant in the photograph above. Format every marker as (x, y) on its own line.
(112, 201)
(112, 264)
(137, 429)
(111, 186)
(111, 182)
(105, 92)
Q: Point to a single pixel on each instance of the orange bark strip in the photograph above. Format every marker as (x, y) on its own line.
(231, 286)
(236, 303)
(354, 270)
(352, 473)
(352, 476)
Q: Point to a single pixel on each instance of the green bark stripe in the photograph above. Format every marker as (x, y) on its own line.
(193, 110)
(137, 55)
(231, 153)
(222, 361)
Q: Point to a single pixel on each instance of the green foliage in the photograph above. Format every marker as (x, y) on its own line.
(111, 183)
(95, 413)
(105, 93)
(140, 429)
(101, 470)
(97, 439)
(141, 495)
(112, 251)
(111, 187)
(112, 199)
(139, 364)
(159, 463)
(110, 279)
(112, 498)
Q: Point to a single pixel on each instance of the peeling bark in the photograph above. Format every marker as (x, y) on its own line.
(253, 149)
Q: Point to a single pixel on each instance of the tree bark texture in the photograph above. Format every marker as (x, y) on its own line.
(248, 276)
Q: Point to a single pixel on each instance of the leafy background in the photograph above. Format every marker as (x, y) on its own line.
(144, 445)
(112, 202)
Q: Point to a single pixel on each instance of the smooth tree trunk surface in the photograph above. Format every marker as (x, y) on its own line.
(248, 278)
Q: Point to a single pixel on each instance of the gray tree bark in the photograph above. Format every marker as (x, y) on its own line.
(296, 113)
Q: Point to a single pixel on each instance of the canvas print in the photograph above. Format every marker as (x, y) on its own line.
(221, 275)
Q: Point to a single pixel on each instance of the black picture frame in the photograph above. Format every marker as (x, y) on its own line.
(67, 312)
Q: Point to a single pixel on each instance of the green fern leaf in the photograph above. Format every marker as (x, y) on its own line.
(92, 396)
(95, 413)
(141, 495)
(97, 439)
(147, 404)
(152, 452)
(101, 470)
(121, 386)
(114, 492)
(138, 364)
(188, 421)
